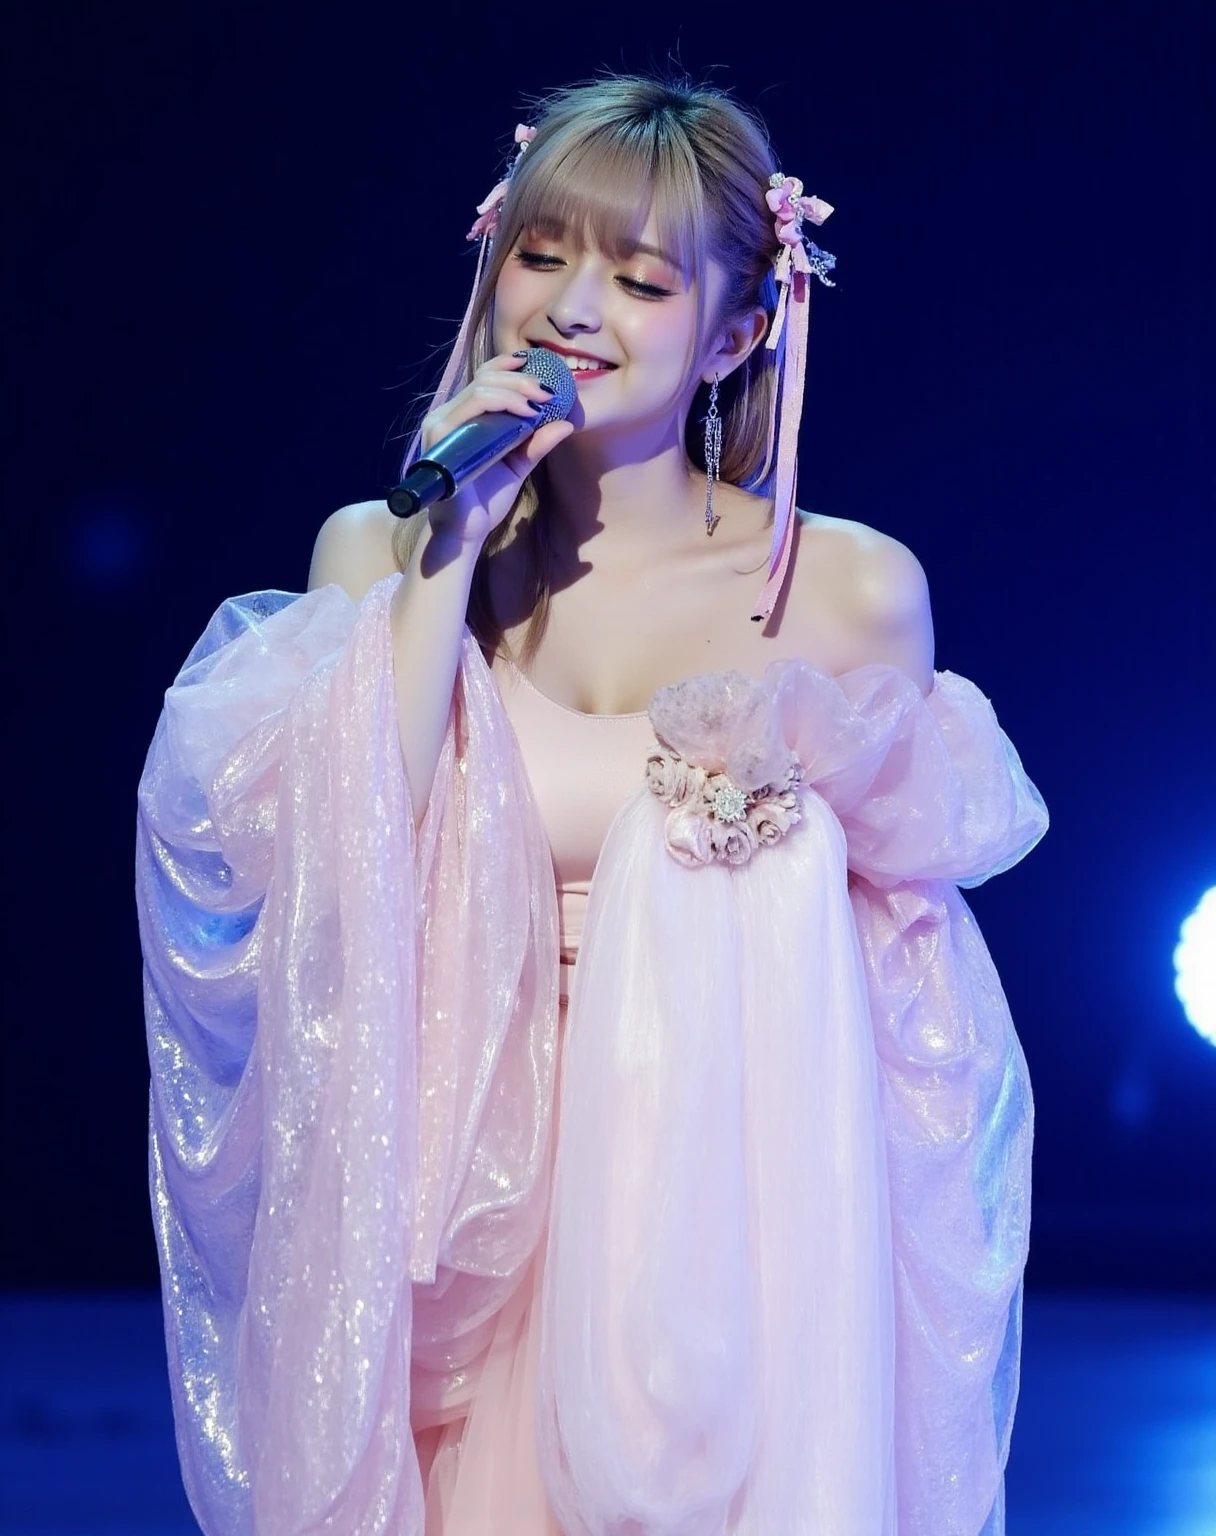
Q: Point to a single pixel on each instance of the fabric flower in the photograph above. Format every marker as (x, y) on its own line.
(733, 842)
(686, 837)
(770, 819)
(723, 767)
(672, 779)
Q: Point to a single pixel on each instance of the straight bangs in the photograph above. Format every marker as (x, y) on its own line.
(600, 193)
(599, 190)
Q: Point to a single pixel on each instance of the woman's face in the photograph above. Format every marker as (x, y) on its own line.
(626, 326)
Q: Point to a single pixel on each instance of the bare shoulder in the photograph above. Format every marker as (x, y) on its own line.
(354, 548)
(873, 575)
(870, 589)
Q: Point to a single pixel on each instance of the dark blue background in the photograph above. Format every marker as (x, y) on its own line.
(234, 242)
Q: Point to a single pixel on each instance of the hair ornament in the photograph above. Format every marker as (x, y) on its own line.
(489, 215)
(798, 259)
(797, 253)
(490, 208)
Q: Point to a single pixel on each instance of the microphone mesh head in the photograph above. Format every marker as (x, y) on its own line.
(552, 372)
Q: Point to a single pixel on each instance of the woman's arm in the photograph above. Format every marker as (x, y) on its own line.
(428, 623)
(354, 549)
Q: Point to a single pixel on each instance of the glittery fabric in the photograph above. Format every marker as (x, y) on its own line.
(780, 1286)
(352, 1045)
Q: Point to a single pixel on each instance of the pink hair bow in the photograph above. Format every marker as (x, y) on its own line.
(784, 198)
(490, 209)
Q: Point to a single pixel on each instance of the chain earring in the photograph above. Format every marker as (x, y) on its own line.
(713, 455)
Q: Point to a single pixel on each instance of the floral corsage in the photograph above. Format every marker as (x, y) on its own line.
(723, 768)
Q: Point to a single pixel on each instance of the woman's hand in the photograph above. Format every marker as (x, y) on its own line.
(478, 507)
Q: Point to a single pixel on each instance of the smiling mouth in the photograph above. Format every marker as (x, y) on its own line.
(578, 362)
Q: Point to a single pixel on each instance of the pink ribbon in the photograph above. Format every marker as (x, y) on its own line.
(486, 227)
(793, 271)
(490, 208)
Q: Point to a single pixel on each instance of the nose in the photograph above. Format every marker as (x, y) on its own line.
(575, 308)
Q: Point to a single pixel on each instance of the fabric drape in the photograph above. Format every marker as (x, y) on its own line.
(790, 1205)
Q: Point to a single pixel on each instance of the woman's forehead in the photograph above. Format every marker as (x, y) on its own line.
(613, 207)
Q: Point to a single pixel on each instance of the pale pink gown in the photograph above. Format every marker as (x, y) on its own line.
(788, 1211)
(477, 1447)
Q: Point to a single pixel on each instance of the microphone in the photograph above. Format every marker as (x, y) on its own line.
(464, 453)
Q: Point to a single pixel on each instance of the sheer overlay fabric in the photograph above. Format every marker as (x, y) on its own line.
(774, 1251)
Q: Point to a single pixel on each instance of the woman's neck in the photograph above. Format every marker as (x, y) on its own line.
(634, 504)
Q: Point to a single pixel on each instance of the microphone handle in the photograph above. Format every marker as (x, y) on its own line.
(460, 456)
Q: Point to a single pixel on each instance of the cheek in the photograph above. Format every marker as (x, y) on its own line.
(663, 334)
(514, 300)
(506, 288)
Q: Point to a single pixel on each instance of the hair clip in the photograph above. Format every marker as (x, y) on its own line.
(490, 209)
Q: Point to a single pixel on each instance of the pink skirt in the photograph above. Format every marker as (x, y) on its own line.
(480, 1472)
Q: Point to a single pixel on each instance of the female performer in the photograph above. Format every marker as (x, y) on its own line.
(582, 1101)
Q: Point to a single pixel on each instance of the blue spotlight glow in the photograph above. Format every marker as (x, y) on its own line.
(1195, 966)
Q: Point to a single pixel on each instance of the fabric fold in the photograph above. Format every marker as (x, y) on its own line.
(925, 788)
(959, 1118)
(718, 1312)
(317, 1226)
(781, 1282)
(822, 1017)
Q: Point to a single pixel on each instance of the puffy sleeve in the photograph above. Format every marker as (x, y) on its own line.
(925, 788)
(348, 1127)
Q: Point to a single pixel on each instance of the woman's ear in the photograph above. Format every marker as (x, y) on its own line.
(736, 342)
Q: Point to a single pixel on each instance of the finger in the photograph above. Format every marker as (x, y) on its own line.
(493, 373)
(478, 400)
(522, 460)
(516, 386)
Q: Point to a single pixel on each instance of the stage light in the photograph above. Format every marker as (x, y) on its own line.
(1195, 966)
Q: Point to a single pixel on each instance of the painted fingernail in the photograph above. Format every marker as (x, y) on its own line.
(523, 352)
(537, 405)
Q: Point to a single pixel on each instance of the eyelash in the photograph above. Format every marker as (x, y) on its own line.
(539, 261)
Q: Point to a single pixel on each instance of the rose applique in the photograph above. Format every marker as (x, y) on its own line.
(723, 769)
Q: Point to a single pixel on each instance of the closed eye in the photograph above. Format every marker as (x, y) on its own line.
(541, 260)
(646, 290)
(546, 261)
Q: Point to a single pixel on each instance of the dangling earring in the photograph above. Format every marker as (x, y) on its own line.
(713, 455)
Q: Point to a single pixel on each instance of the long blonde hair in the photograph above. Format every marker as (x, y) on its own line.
(705, 162)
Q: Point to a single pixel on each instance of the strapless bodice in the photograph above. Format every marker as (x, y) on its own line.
(582, 768)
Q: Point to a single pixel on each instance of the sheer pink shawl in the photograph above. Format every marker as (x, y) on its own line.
(790, 1210)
